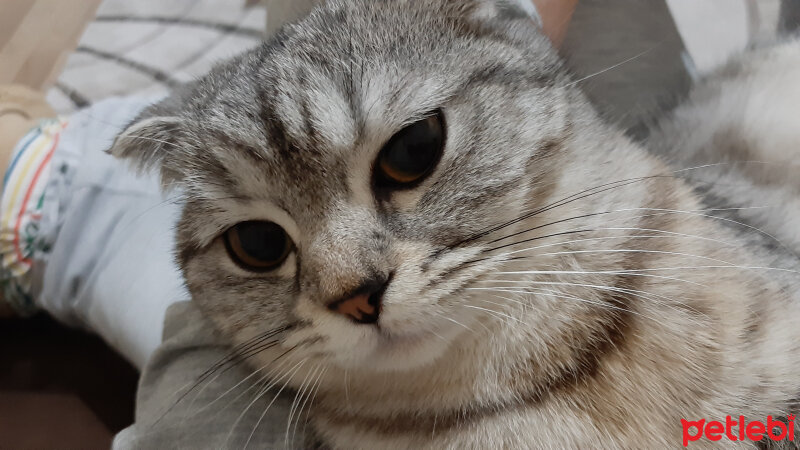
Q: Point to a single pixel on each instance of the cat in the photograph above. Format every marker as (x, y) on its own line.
(409, 212)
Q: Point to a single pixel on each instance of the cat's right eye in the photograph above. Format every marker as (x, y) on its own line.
(258, 246)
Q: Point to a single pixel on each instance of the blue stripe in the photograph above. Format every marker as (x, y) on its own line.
(33, 134)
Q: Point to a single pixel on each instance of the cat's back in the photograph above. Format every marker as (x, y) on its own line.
(736, 139)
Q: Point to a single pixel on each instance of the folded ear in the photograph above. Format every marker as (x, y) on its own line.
(151, 143)
(516, 20)
(491, 10)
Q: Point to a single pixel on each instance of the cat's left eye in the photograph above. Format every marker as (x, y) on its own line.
(258, 246)
(411, 154)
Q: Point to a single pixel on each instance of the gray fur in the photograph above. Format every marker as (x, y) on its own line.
(535, 299)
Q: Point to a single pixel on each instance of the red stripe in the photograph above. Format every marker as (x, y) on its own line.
(28, 197)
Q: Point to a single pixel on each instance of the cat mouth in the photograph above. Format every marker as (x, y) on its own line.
(404, 339)
(410, 340)
(403, 350)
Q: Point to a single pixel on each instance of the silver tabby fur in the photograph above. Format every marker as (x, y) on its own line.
(554, 283)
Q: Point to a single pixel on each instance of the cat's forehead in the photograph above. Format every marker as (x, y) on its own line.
(356, 64)
(344, 79)
(308, 134)
(324, 85)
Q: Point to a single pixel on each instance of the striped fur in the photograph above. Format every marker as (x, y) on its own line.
(554, 284)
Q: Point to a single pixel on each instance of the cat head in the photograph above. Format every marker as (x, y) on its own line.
(341, 180)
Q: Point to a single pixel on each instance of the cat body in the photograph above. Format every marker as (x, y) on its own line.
(741, 123)
(550, 284)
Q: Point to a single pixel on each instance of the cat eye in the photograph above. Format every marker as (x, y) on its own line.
(258, 246)
(411, 154)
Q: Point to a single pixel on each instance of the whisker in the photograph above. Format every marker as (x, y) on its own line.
(583, 216)
(230, 356)
(545, 236)
(559, 295)
(569, 199)
(727, 163)
(312, 392)
(629, 271)
(505, 318)
(614, 66)
(587, 272)
(160, 141)
(666, 301)
(253, 352)
(443, 316)
(244, 347)
(496, 313)
(219, 373)
(634, 250)
(591, 192)
(346, 388)
(555, 294)
(664, 235)
(263, 380)
(286, 377)
(739, 223)
(296, 402)
(584, 230)
(191, 405)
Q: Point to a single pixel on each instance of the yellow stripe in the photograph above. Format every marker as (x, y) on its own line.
(44, 145)
(34, 155)
(11, 264)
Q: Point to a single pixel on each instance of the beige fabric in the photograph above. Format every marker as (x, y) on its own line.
(37, 35)
(180, 406)
(20, 109)
(23, 101)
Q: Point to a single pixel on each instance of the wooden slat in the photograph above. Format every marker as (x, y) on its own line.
(36, 36)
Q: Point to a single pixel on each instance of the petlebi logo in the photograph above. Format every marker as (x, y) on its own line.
(738, 429)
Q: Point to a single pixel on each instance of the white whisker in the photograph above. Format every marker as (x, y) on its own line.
(311, 392)
(656, 269)
(585, 272)
(296, 402)
(457, 323)
(637, 293)
(633, 250)
(492, 312)
(558, 295)
(612, 67)
(622, 210)
(258, 382)
(266, 389)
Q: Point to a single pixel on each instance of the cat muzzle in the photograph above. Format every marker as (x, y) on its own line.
(365, 304)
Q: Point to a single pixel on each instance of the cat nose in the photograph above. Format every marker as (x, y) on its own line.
(364, 304)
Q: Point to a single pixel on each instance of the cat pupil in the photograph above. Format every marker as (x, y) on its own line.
(262, 241)
(257, 245)
(412, 153)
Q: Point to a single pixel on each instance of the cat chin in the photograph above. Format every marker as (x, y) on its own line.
(399, 353)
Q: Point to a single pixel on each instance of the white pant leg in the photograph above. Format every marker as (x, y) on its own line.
(111, 269)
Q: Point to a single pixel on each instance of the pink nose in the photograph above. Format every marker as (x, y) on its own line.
(360, 308)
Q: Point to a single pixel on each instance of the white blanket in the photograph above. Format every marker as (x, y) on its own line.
(147, 46)
(112, 270)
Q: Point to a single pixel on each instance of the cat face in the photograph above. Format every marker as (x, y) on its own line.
(339, 180)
